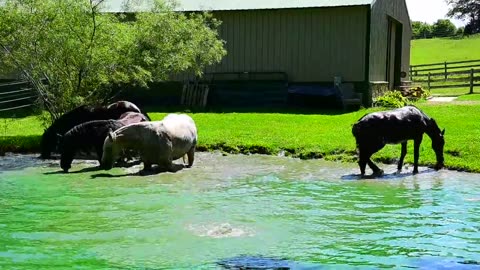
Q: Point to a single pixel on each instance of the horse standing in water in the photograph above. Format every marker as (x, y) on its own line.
(374, 130)
(81, 115)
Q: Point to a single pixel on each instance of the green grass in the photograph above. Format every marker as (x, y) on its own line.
(301, 135)
(472, 97)
(450, 92)
(437, 50)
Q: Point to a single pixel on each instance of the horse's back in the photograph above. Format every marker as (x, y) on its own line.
(132, 117)
(183, 131)
(180, 126)
(118, 108)
(91, 132)
(393, 125)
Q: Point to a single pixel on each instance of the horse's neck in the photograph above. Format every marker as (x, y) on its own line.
(128, 136)
(431, 131)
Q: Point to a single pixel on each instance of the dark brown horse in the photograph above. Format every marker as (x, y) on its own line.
(79, 115)
(374, 130)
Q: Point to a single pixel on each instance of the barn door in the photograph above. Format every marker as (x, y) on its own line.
(394, 53)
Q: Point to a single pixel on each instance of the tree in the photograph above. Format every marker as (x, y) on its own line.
(467, 10)
(444, 28)
(73, 53)
(460, 31)
(422, 30)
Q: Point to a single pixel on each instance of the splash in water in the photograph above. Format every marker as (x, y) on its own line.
(222, 230)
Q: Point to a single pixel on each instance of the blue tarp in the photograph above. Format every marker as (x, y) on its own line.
(313, 90)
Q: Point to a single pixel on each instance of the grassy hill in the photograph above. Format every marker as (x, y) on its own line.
(425, 51)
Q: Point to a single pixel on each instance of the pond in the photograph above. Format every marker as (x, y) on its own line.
(233, 211)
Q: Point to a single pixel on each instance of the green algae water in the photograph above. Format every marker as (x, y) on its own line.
(314, 213)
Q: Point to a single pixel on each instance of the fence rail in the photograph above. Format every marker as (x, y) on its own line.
(454, 73)
(16, 95)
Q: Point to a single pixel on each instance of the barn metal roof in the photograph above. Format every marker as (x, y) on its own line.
(211, 5)
(195, 5)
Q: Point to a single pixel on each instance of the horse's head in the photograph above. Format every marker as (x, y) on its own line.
(110, 150)
(66, 159)
(438, 142)
(48, 143)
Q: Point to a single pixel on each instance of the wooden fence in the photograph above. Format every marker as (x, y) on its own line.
(194, 94)
(447, 74)
(16, 95)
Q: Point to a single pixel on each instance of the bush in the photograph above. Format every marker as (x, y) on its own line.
(391, 99)
(416, 93)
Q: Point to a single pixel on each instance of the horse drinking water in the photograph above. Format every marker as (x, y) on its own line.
(81, 115)
(157, 142)
(374, 130)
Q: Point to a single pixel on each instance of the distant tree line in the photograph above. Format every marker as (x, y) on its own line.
(467, 10)
(441, 28)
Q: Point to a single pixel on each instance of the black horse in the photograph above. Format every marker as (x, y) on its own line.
(85, 137)
(81, 115)
(374, 130)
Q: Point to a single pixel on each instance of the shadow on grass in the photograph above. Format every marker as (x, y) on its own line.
(19, 113)
(265, 109)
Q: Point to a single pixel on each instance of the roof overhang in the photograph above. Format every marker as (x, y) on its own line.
(223, 5)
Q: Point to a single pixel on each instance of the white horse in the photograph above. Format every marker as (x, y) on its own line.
(158, 142)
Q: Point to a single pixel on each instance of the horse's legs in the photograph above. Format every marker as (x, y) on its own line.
(416, 153)
(376, 170)
(166, 165)
(191, 156)
(402, 156)
(99, 150)
(364, 158)
(147, 165)
(362, 161)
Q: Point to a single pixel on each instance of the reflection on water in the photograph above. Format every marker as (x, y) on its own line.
(308, 213)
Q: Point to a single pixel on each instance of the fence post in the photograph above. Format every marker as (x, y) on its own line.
(446, 70)
(429, 74)
(471, 80)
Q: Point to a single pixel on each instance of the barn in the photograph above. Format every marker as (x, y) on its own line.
(307, 44)
(278, 49)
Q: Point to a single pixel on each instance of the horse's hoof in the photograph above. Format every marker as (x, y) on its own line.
(438, 167)
(378, 173)
(145, 172)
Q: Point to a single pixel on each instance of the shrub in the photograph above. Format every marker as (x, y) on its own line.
(391, 99)
(416, 93)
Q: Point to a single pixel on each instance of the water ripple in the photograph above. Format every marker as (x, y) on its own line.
(310, 212)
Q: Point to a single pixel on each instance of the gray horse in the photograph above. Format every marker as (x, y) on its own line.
(157, 142)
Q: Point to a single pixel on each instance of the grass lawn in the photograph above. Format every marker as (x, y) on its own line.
(452, 92)
(301, 135)
(437, 50)
(472, 97)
